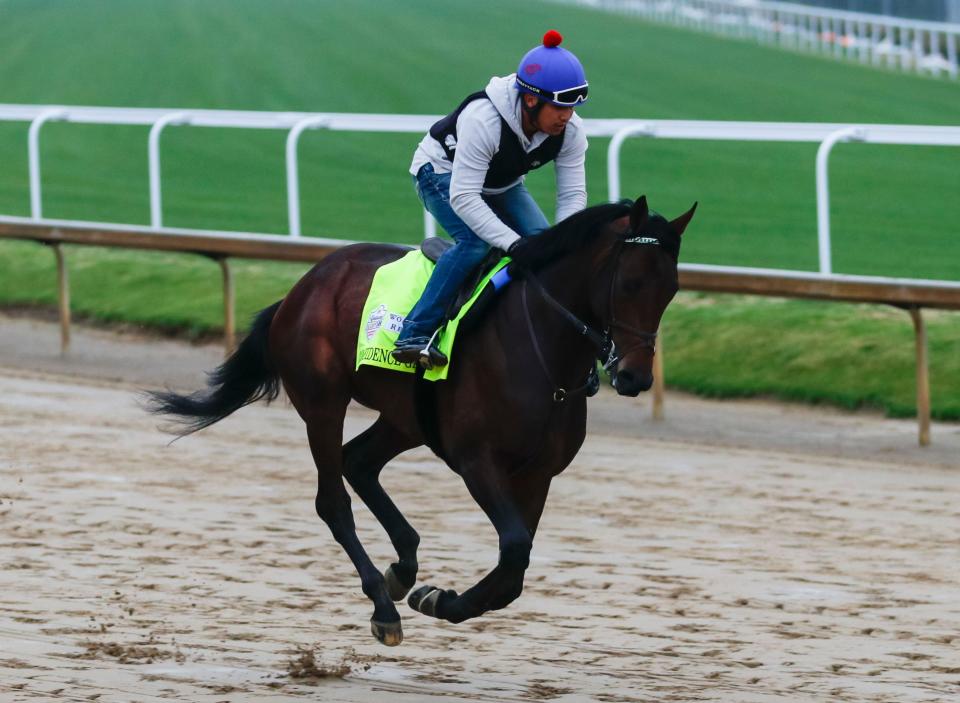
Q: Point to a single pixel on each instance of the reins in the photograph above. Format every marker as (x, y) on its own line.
(602, 341)
(597, 339)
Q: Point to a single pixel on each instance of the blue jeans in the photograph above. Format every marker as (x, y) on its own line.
(516, 207)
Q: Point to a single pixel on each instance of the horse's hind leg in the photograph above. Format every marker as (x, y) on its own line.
(325, 431)
(363, 459)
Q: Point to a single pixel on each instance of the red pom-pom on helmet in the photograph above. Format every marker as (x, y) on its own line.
(552, 38)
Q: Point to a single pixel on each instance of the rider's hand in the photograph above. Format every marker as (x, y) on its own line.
(519, 251)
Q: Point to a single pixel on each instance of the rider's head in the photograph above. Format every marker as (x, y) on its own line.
(552, 76)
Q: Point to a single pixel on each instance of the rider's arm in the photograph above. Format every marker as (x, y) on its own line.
(478, 139)
(571, 173)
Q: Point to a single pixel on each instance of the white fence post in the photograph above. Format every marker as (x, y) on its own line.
(293, 171)
(33, 152)
(823, 192)
(613, 156)
(153, 163)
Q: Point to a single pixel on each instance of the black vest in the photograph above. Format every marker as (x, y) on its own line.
(511, 161)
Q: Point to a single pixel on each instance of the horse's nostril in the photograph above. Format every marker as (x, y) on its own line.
(632, 382)
(645, 382)
(627, 383)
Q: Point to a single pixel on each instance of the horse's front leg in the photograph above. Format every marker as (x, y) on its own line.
(514, 505)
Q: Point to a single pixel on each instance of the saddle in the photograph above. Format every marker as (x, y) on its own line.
(434, 247)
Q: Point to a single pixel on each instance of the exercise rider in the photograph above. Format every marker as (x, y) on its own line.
(469, 171)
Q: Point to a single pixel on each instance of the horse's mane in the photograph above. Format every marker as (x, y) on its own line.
(574, 232)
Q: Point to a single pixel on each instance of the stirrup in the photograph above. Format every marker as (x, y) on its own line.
(430, 355)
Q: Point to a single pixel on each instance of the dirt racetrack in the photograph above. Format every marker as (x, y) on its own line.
(735, 552)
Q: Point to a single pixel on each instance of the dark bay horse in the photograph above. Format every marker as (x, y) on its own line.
(503, 420)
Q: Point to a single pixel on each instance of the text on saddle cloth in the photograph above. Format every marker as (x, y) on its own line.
(395, 289)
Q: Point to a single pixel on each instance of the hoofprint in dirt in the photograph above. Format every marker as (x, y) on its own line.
(138, 570)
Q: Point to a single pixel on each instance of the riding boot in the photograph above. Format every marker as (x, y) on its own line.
(408, 351)
(420, 350)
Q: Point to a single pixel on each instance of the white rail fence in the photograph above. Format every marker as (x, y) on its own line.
(879, 40)
(618, 130)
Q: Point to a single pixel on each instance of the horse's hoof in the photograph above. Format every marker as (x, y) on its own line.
(388, 633)
(395, 586)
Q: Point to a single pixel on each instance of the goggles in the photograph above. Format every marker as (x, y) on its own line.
(566, 98)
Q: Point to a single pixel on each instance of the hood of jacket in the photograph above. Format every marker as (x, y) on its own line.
(506, 99)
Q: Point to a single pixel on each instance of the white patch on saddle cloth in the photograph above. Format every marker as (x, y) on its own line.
(381, 316)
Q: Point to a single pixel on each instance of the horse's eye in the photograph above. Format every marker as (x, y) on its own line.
(634, 285)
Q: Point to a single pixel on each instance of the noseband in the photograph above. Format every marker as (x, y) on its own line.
(603, 341)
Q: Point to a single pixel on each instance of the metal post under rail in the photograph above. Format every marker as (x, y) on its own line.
(923, 376)
(659, 382)
(229, 306)
(63, 297)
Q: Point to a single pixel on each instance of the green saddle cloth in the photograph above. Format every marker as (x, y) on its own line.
(396, 288)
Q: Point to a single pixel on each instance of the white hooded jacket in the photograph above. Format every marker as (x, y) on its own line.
(478, 139)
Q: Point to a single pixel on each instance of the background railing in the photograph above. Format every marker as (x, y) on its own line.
(879, 40)
(295, 123)
(931, 10)
(911, 295)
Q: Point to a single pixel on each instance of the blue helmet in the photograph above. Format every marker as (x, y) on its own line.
(552, 73)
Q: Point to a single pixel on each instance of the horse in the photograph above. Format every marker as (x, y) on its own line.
(510, 416)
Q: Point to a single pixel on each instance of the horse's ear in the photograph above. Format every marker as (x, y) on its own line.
(639, 214)
(681, 222)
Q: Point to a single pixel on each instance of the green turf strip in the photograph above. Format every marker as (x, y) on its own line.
(849, 355)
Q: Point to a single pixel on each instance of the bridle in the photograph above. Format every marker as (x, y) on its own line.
(647, 340)
(602, 341)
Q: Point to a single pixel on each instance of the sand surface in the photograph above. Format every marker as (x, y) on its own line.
(735, 552)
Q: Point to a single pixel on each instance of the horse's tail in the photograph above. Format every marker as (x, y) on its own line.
(244, 378)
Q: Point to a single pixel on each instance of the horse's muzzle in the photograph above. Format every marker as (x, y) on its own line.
(632, 383)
